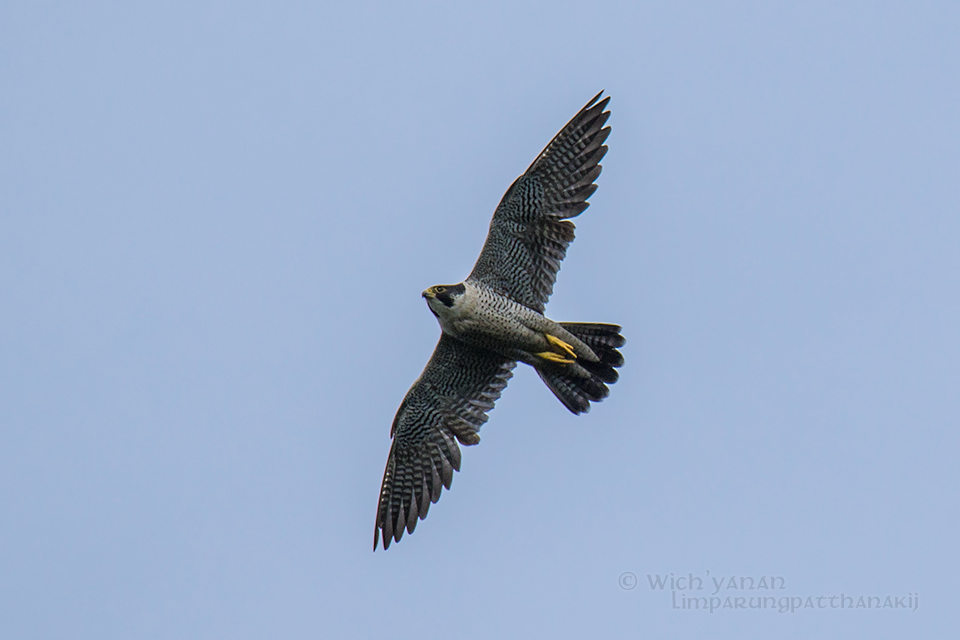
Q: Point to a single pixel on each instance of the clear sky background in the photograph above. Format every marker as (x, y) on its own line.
(216, 220)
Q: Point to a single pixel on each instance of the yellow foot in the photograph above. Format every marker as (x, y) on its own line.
(557, 342)
(553, 357)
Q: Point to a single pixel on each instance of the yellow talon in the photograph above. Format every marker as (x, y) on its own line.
(557, 342)
(554, 357)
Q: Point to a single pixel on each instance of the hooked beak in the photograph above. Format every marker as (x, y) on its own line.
(429, 296)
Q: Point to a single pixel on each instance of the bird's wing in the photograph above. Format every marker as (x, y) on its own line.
(448, 402)
(529, 233)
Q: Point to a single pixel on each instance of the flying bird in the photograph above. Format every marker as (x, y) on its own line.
(494, 319)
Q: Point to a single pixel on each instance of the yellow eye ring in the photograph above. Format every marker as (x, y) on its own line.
(438, 289)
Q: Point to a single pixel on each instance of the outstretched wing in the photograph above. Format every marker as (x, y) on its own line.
(448, 402)
(529, 233)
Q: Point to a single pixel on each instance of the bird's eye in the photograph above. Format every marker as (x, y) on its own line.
(438, 289)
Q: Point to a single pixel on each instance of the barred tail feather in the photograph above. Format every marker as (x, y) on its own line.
(579, 384)
(576, 393)
(604, 339)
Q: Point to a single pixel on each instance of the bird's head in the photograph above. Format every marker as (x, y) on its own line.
(443, 298)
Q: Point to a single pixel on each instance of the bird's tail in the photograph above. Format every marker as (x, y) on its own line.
(578, 384)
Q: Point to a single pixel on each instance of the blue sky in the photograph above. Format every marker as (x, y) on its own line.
(216, 220)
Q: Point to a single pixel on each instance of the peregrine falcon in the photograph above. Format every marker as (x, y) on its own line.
(494, 319)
